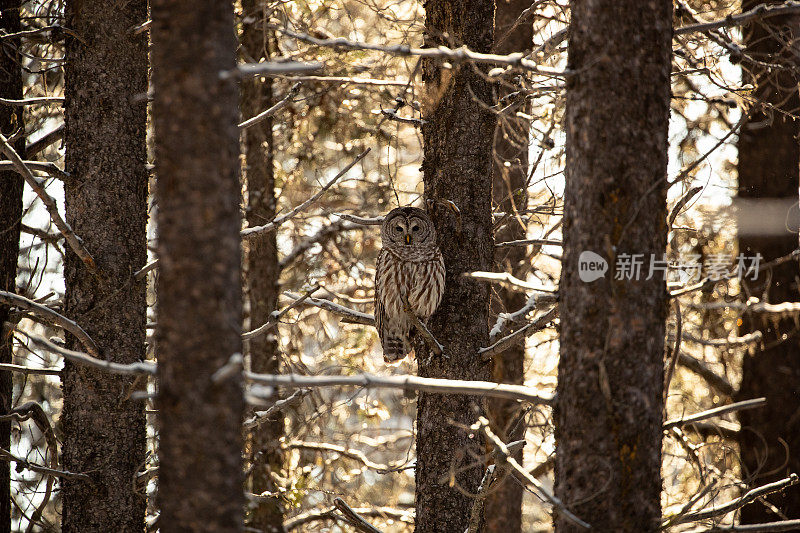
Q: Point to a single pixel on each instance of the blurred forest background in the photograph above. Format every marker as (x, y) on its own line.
(334, 113)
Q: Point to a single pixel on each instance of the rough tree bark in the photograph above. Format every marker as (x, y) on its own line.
(457, 167)
(261, 263)
(106, 205)
(199, 297)
(504, 504)
(609, 412)
(768, 170)
(11, 185)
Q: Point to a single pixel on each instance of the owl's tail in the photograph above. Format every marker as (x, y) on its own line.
(395, 348)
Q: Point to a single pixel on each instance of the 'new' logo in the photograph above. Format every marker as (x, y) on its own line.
(591, 266)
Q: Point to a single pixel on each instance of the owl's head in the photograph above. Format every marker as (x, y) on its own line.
(408, 228)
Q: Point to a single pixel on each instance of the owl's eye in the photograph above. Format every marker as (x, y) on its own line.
(398, 229)
(415, 228)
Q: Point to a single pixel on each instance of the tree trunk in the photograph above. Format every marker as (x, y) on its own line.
(199, 297)
(10, 218)
(768, 170)
(504, 503)
(457, 167)
(106, 205)
(609, 412)
(261, 264)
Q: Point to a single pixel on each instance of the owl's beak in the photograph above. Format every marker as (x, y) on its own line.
(408, 239)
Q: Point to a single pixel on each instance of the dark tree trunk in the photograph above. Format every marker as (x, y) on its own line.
(106, 205)
(199, 297)
(609, 412)
(504, 503)
(261, 264)
(458, 168)
(768, 170)
(10, 218)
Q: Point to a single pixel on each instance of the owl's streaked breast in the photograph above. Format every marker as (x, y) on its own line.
(422, 282)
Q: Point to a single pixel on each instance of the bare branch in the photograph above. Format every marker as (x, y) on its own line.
(324, 234)
(276, 316)
(353, 518)
(357, 455)
(51, 317)
(42, 166)
(527, 242)
(688, 505)
(478, 506)
(441, 52)
(391, 114)
(50, 204)
(507, 280)
(232, 368)
(30, 370)
(264, 115)
(494, 472)
(770, 527)
(509, 340)
(34, 412)
(142, 272)
(680, 204)
(330, 514)
(783, 310)
(751, 338)
(761, 11)
(351, 315)
(435, 346)
(406, 382)
(7, 456)
(525, 477)
(717, 411)
(250, 232)
(720, 428)
(719, 383)
(259, 417)
(56, 134)
(364, 221)
(140, 368)
(511, 318)
(38, 100)
(737, 503)
(345, 80)
(274, 68)
(43, 235)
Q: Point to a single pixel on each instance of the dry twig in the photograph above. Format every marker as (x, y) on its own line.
(406, 382)
(50, 204)
(255, 230)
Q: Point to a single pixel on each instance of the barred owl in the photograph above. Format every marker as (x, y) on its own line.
(411, 265)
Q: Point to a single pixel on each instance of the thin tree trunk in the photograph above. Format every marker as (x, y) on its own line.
(768, 170)
(199, 297)
(261, 264)
(609, 412)
(457, 168)
(11, 185)
(504, 504)
(106, 205)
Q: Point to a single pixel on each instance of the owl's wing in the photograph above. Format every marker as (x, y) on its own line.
(394, 342)
(380, 315)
